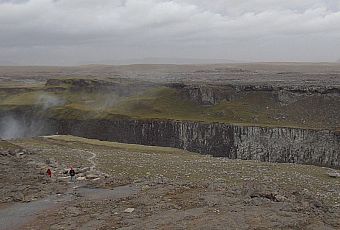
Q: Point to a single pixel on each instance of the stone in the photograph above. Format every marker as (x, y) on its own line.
(19, 154)
(280, 198)
(81, 178)
(91, 176)
(334, 174)
(129, 210)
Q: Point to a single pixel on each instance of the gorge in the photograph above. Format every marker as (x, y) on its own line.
(264, 122)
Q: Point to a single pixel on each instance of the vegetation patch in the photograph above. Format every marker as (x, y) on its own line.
(255, 108)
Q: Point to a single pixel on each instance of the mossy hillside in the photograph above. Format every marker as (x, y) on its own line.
(79, 141)
(160, 102)
(8, 146)
(252, 108)
(22, 99)
(12, 85)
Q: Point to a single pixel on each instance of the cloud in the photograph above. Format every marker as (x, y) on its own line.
(158, 27)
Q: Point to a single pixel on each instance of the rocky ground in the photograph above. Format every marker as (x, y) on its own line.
(23, 176)
(123, 186)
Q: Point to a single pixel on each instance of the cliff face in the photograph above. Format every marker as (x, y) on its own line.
(235, 142)
(288, 145)
(213, 94)
(205, 94)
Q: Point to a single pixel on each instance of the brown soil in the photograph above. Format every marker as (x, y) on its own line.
(211, 202)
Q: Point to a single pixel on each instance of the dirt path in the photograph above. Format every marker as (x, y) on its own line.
(20, 214)
(91, 160)
(93, 165)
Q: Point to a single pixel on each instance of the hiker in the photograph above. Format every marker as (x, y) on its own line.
(49, 173)
(72, 174)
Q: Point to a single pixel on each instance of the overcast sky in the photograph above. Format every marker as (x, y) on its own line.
(70, 32)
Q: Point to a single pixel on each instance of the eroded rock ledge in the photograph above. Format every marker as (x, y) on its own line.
(304, 146)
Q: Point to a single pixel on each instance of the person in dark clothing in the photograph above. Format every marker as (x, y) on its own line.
(49, 173)
(72, 174)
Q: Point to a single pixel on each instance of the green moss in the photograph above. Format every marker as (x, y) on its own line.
(70, 113)
(79, 141)
(158, 103)
(5, 145)
(29, 98)
(251, 108)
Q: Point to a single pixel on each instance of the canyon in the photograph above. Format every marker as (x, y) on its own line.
(166, 145)
(251, 120)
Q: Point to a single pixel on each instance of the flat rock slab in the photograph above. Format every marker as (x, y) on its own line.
(16, 215)
(115, 193)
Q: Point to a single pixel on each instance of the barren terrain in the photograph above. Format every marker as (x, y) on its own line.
(164, 188)
(244, 73)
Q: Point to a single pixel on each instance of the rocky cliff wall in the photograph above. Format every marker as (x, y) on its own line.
(213, 94)
(305, 146)
(318, 147)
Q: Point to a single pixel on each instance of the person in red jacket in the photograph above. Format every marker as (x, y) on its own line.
(49, 173)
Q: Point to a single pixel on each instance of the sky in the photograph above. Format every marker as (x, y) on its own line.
(74, 32)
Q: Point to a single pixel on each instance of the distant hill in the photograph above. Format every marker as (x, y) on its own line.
(179, 61)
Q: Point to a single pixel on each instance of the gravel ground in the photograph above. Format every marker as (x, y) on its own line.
(173, 189)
